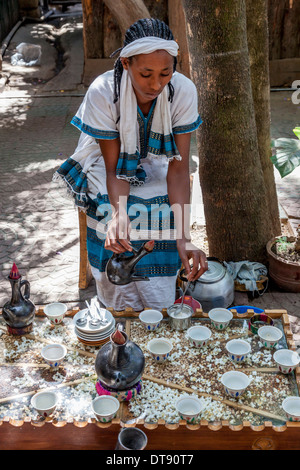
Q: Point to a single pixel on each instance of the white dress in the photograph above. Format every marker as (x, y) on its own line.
(148, 206)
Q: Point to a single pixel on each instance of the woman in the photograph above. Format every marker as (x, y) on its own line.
(130, 170)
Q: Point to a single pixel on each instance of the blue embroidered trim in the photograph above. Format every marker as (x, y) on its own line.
(153, 214)
(96, 133)
(160, 144)
(188, 128)
(128, 166)
(163, 261)
(145, 124)
(71, 172)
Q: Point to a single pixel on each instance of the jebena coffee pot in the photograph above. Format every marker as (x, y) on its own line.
(119, 363)
(19, 312)
(120, 268)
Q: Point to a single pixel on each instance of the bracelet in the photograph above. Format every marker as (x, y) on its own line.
(259, 318)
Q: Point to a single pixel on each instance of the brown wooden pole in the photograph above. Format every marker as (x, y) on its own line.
(92, 13)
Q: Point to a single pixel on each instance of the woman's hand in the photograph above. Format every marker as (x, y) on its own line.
(187, 251)
(117, 237)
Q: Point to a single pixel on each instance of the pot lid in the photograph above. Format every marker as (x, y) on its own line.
(216, 271)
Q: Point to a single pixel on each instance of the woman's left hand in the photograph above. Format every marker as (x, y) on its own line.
(188, 251)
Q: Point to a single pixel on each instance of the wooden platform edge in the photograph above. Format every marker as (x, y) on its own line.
(130, 313)
(215, 426)
(96, 436)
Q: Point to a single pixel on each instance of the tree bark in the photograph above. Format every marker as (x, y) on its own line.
(284, 27)
(126, 13)
(258, 44)
(230, 171)
(177, 25)
(92, 12)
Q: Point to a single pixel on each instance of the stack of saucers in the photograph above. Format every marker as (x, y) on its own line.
(91, 332)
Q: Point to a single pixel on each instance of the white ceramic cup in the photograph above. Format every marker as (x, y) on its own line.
(55, 312)
(44, 402)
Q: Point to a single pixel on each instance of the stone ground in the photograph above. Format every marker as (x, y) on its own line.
(38, 226)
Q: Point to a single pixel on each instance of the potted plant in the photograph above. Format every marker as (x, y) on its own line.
(284, 252)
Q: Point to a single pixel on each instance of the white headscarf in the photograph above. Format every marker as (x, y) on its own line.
(149, 44)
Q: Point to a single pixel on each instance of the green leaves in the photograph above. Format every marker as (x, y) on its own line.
(297, 132)
(287, 154)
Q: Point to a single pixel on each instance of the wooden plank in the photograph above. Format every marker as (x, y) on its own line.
(213, 436)
(85, 273)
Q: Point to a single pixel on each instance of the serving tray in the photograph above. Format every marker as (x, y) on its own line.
(269, 429)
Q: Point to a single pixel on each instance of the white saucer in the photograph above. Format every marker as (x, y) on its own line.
(91, 330)
(93, 337)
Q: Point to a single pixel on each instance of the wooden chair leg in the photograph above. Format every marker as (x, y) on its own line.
(85, 273)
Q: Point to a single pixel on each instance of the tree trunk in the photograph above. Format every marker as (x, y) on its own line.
(284, 21)
(126, 13)
(258, 44)
(92, 12)
(177, 25)
(231, 176)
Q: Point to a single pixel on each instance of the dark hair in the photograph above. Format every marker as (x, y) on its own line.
(140, 29)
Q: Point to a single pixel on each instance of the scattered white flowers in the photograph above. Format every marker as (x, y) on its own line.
(199, 369)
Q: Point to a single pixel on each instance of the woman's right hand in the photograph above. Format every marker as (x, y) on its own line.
(117, 236)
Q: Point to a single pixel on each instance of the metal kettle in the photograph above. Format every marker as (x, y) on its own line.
(215, 288)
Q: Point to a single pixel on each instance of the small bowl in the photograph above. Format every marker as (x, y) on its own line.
(105, 408)
(286, 360)
(198, 335)
(269, 336)
(291, 406)
(189, 300)
(258, 320)
(188, 408)
(55, 312)
(151, 319)
(235, 383)
(220, 318)
(238, 349)
(54, 354)
(180, 318)
(160, 349)
(44, 403)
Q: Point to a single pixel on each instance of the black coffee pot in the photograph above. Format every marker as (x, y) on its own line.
(119, 366)
(120, 268)
(19, 312)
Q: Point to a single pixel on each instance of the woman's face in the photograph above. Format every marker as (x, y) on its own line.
(149, 74)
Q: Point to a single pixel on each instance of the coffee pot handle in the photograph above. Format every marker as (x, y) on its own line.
(26, 294)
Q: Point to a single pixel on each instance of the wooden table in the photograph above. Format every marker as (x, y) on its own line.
(92, 435)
